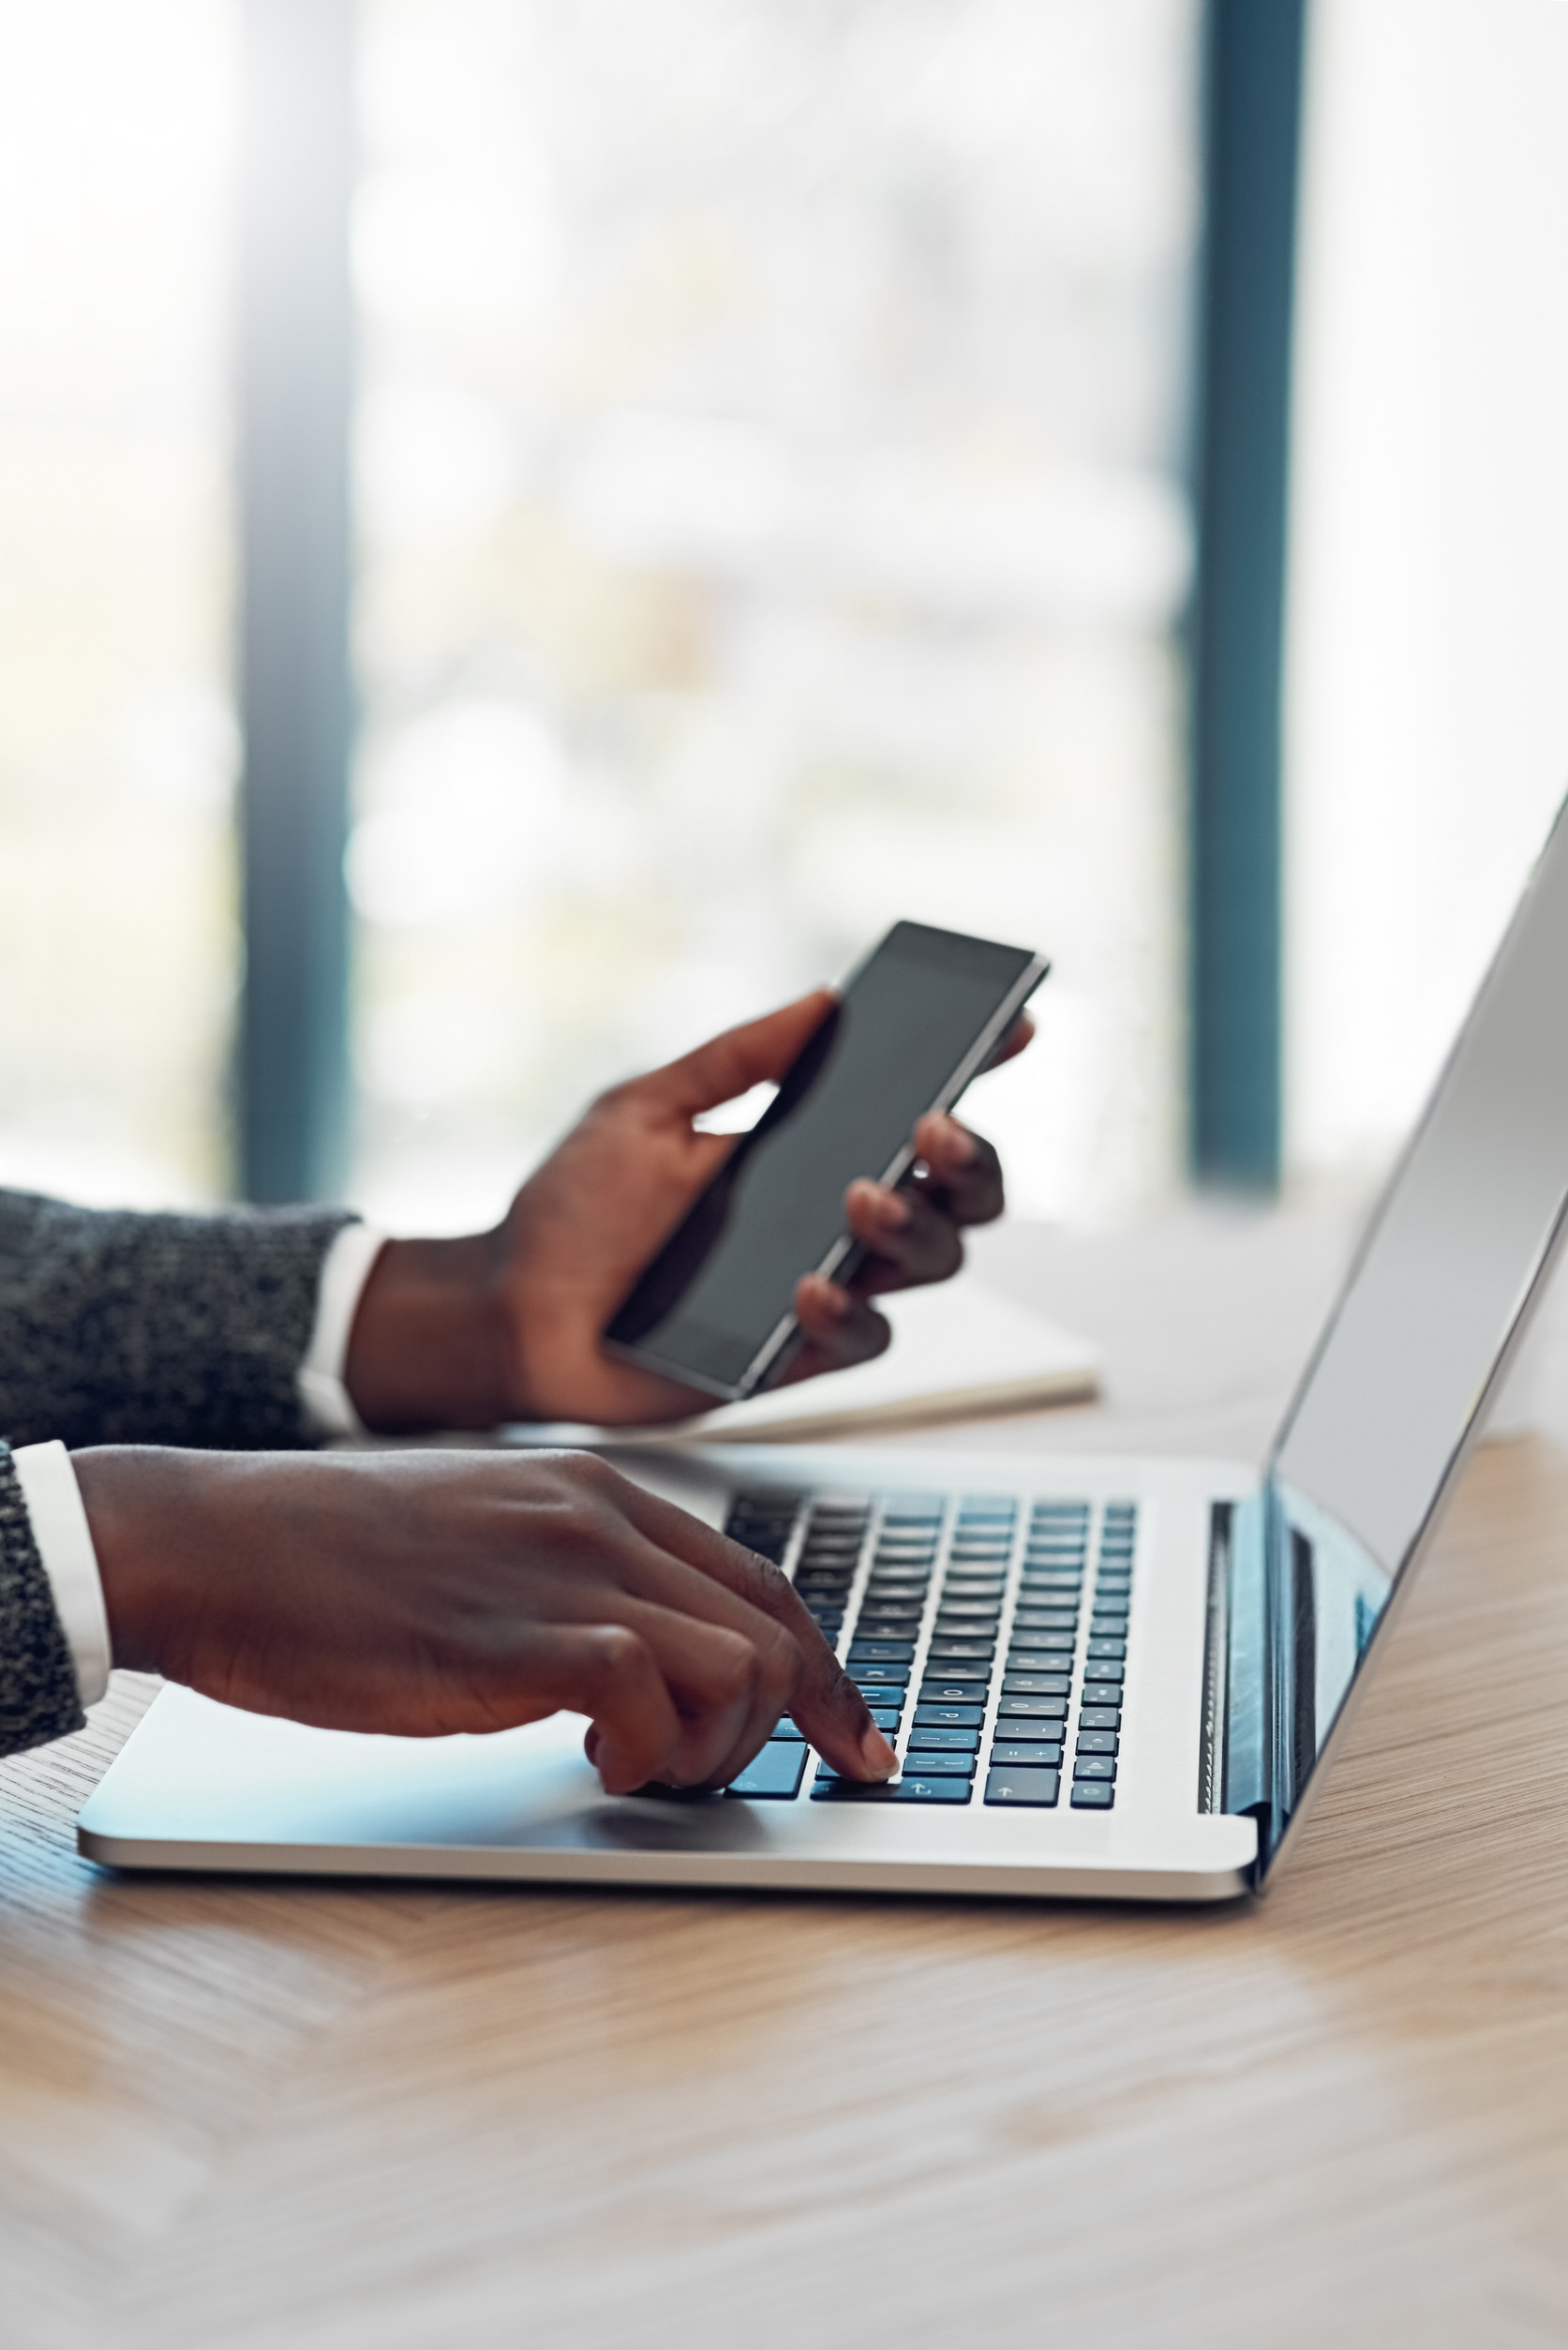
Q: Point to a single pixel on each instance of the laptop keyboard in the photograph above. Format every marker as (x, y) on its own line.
(964, 1622)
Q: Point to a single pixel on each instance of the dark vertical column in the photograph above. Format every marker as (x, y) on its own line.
(1253, 74)
(295, 383)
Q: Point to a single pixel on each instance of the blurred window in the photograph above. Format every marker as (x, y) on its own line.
(1428, 690)
(770, 456)
(118, 953)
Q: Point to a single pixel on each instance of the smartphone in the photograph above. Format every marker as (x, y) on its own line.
(916, 1021)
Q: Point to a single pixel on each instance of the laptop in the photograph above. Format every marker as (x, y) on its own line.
(1103, 1678)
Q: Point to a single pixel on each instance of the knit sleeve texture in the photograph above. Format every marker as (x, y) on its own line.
(123, 1328)
(37, 1681)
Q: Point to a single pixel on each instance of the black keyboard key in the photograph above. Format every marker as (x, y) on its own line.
(1116, 1650)
(1039, 1643)
(887, 1717)
(1095, 1767)
(1096, 1742)
(940, 1762)
(1102, 1672)
(879, 1677)
(774, 1775)
(1091, 1795)
(874, 1652)
(1032, 1685)
(1036, 1790)
(950, 1742)
(942, 1691)
(1099, 1717)
(958, 1612)
(1022, 1754)
(948, 1716)
(1034, 1709)
(922, 1789)
(767, 1545)
(975, 1652)
(786, 1733)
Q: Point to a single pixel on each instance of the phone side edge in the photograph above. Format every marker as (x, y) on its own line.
(784, 1331)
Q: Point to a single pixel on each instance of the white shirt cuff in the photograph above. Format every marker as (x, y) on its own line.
(345, 1271)
(64, 1543)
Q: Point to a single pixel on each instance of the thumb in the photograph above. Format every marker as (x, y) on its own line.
(744, 1057)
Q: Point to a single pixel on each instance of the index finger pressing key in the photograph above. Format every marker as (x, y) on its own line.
(824, 1703)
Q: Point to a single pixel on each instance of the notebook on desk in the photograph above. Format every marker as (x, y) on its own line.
(960, 1352)
(1108, 1677)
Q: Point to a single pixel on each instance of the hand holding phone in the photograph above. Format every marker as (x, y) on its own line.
(915, 1022)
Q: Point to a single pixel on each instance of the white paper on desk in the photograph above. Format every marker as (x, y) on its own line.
(959, 1353)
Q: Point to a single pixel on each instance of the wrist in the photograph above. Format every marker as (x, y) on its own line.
(431, 1345)
(132, 1497)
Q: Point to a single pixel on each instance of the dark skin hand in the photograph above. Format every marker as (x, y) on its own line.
(430, 1593)
(433, 1592)
(505, 1325)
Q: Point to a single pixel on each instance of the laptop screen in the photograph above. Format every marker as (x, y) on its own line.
(1447, 1266)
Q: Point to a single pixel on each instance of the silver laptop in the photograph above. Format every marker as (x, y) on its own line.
(1103, 1678)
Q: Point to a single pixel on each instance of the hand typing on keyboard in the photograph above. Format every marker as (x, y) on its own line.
(427, 1592)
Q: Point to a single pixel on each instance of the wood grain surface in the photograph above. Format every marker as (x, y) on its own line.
(256, 2114)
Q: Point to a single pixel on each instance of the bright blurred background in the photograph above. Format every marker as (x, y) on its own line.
(772, 519)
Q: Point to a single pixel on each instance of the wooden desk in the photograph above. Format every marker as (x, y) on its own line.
(241, 2114)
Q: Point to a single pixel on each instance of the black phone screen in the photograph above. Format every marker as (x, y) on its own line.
(894, 1046)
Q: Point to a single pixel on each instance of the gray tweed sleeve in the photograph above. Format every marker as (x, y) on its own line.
(38, 1680)
(123, 1328)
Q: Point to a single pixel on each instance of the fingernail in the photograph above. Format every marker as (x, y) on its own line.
(961, 1142)
(877, 1756)
(834, 1298)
